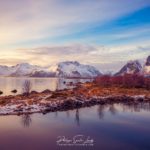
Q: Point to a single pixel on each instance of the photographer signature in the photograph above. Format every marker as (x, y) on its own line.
(79, 140)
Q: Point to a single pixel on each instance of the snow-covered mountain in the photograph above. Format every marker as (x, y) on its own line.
(5, 70)
(130, 68)
(73, 68)
(62, 69)
(69, 69)
(23, 69)
(146, 68)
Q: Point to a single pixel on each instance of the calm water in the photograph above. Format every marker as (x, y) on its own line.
(112, 127)
(7, 84)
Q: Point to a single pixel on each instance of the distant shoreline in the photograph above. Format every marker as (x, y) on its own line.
(47, 77)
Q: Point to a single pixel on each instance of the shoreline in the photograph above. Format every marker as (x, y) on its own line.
(84, 95)
(71, 105)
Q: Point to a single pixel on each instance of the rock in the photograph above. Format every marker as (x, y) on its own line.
(1, 92)
(140, 99)
(18, 110)
(46, 110)
(28, 108)
(46, 91)
(34, 92)
(78, 103)
(14, 91)
(68, 104)
(70, 84)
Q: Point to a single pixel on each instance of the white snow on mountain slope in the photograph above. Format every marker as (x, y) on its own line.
(73, 69)
(70, 69)
(5, 70)
(24, 69)
(63, 69)
(130, 68)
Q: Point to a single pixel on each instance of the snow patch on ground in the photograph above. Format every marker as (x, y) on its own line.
(43, 105)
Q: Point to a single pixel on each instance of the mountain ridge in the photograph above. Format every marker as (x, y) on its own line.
(131, 67)
(135, 67)
(71, 69)
(61, 69)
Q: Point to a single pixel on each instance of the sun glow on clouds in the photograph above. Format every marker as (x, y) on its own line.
(47, 31)
(103, 57)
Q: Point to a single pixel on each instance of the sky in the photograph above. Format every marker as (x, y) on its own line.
(102, 33)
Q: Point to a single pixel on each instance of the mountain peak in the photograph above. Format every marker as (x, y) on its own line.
(133, 62)
(147, 66)
(148, 61)
(131, 67)
(62, 69)
(75, 69)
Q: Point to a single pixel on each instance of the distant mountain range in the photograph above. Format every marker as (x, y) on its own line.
(62, 69)
(133, 67)
(70, 69)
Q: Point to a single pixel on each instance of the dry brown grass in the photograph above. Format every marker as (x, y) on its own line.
(30, 102)
(96, 90)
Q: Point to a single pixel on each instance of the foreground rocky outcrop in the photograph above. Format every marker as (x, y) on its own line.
(84, 95)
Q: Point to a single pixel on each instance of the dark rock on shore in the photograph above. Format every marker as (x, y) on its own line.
(47, 91)
(14, 91)
(34, 92)
(1, 92)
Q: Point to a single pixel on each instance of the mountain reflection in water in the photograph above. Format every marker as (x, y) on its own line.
(114, 127)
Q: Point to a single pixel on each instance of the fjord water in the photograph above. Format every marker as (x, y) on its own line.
(7, 84)
(115, 127)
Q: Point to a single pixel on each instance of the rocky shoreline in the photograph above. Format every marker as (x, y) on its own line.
(84, 95)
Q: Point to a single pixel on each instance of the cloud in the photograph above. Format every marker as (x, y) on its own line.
(105, 58)
(29, 20)
(80, 49)
(35, 31)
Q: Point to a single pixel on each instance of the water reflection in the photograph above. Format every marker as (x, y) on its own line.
(77, 117)
(68, 114)
(59, 83)
(113, 109)
(136, 107)
(122, 130)
(102, 110)
(26, 120)
(56, 114)
(7, 84)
